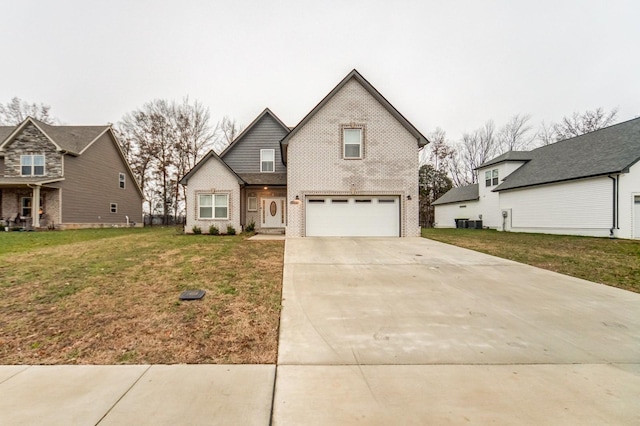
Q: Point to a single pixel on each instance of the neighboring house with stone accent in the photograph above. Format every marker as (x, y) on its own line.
(349, 168)
(65, 177)
(587, 185)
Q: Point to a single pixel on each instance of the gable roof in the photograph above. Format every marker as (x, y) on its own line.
(457, 195)
(246, 131)
(354, 74)
(72, 139)
(507, 156)
(610, 150)
(202, 162)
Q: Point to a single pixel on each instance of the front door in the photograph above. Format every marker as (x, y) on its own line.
(273, 212)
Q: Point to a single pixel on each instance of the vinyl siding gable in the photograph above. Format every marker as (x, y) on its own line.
(244, 156)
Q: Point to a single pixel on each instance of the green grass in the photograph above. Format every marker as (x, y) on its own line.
(110, 296)
(613, 262)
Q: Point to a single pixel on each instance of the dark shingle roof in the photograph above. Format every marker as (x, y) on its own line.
(69, 138)
(264, 178)
(456, 195)
(507, 156)
(606, 151)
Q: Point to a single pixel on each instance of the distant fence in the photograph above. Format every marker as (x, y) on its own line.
(160, 220)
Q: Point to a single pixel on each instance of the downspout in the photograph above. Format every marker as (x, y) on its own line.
(614, 207)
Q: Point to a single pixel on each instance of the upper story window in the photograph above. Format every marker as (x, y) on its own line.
(32, 165)
(491, 177)
(121, 180)
(267, 160)
(351, 143)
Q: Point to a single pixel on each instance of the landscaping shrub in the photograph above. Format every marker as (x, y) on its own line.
(231, 230)
(196, 230)
(250, 227)
(213, 230)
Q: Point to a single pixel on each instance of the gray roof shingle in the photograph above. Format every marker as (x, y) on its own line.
(457, 195)
(507, 156)
(70, 138)
(264, 178)
(606, 151)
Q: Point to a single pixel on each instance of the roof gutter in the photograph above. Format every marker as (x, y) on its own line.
(614, 207)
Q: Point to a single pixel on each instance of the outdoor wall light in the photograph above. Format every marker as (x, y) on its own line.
(409, 197)
(296, 201)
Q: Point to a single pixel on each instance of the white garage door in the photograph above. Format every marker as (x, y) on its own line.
(364, 216)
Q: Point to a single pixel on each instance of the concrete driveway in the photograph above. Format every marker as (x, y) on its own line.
(411, 331)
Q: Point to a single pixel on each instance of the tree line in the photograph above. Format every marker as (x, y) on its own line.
(163, 140)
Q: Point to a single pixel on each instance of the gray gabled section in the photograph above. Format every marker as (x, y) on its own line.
(457, 195)
(210, 155)
(420, 138)
(611, 150)
(265, 132)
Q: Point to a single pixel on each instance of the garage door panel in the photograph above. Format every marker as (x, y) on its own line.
(353, 216)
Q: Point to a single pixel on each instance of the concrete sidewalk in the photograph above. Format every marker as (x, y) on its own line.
(377, 332)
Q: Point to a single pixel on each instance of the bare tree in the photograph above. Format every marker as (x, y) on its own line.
(17, 110)
(474, 149)
(581, 123)
(226, 131)
(163, 141)
(547, 134)
(516, 134)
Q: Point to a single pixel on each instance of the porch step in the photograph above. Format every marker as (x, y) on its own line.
(270, 231)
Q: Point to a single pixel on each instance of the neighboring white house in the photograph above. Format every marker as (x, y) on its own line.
(587, 185)
(349, 168)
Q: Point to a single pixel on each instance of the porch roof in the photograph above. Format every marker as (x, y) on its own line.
(26, 182)
(264, 178)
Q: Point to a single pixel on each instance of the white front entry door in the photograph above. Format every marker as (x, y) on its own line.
(273, 212)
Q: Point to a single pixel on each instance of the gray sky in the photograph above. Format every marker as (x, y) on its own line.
(449, 64)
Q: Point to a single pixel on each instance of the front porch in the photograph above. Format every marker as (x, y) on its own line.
(265, 207)
(29, 207)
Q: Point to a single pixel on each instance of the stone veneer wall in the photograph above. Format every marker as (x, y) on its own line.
(389, 167)
(31, 141)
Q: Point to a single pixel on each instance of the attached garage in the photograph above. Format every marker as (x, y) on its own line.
(361, 216)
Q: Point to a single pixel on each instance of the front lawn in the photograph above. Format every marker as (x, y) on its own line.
(110, 296)
(608, 261)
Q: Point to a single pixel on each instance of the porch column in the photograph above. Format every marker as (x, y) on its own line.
(35, 207)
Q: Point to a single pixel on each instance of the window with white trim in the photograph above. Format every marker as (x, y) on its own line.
(213, 206)
(252, 204)
(491, 177)
(121, 180)
(32, 165)
(352, 143)
(114, 207)
(267, 160)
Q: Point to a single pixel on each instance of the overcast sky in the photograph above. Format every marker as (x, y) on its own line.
(449, 64)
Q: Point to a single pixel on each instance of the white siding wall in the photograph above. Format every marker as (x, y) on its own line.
(447, 213)
(213, 177)
(490, 201)
(629, 219)
(582, 207)
(389, 167)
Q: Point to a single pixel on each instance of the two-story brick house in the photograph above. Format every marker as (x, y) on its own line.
(65, 177)
(349, 168)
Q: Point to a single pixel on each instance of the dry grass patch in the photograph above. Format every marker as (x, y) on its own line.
(614, 262)
(114, 300)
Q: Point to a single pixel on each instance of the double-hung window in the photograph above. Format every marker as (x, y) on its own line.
(352, 143)
(267, 160)
(213, 206)
(491, 177)
(32, 165)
